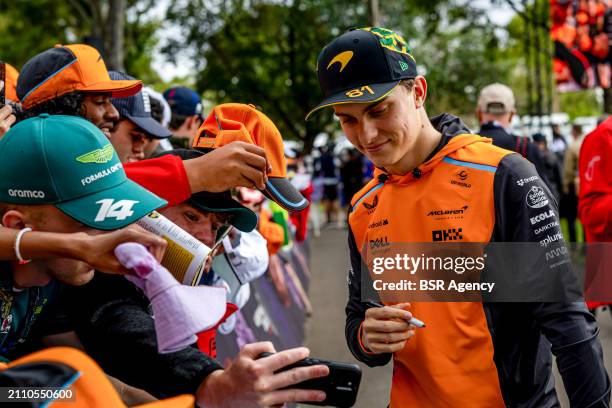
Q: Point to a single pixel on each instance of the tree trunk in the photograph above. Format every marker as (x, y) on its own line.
(116, 32)
(607, 100)
(373, 13)
(309, 142)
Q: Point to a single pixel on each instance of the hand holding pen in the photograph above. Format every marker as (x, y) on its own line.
(386, 329)
(414, 321)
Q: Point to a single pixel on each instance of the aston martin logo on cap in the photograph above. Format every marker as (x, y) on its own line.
(343, 58)
(99, 156)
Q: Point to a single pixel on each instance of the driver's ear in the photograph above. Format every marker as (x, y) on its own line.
(14, 219)
(420, 91)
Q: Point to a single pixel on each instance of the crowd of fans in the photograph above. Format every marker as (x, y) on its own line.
(87, 152)
(63, 109)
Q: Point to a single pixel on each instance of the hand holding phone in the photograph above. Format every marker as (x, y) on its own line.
(340, 386)
(250, 382)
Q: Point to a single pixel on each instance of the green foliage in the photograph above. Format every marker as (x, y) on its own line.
(32, 26)
(264, 52)
(458, 64)
(575, 104)
(29, 27)
(581, 103)
(141, 39)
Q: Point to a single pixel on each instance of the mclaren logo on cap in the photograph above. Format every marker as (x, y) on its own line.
(343, 58)
(99, 156)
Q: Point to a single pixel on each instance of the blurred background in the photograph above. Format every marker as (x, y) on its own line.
(264, 52)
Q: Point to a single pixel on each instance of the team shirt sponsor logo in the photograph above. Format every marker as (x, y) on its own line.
(451, 234)
(541, 217)
(118, 210)
(26, 193)
(555, 253)
(377, 224)
(527, 180)
(101, 174)
(550, 239)
(379, 243)
(99, 156)
(462, 176)
(371, 206)
(546, 227)
(536, 197)
(448, 212)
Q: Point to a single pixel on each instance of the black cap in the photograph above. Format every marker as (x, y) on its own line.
(363, 66)
(137, 108)
(244, 219)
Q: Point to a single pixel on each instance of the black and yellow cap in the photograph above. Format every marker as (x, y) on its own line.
(363, 66)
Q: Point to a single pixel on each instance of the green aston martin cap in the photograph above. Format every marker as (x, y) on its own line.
(66, 161)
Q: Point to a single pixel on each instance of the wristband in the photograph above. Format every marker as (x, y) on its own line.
(17, 242)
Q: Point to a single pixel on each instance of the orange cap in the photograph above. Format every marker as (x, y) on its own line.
(10, 85)
(63, 69)
(232, 122)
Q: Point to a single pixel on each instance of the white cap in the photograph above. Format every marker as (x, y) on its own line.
(496, 99)
(250, 257)
(166, 112)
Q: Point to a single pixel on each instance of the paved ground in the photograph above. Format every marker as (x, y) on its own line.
(325, 330)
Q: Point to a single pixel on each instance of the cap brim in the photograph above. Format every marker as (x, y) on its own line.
(118, 89)
(151, 126)
(88, 210)
(244, 219)
(379, 92)
(282, 191)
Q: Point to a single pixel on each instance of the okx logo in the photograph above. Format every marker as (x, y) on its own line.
(451, 234)
(119, 210)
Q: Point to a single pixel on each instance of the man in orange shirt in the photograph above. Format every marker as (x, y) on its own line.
(436, 182)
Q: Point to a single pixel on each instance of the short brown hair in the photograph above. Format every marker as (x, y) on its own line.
(408, 84)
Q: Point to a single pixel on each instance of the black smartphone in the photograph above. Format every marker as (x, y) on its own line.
(340, 386)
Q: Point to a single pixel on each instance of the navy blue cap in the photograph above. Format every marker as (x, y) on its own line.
(137, 108)
(363, 66)
(183, 101)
